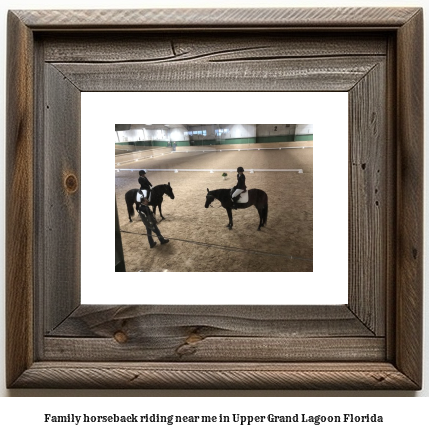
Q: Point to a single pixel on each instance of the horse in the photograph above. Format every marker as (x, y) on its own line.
(156, 199)
(257, 198)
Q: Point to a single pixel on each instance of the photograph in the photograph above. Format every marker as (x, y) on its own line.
(225, 197)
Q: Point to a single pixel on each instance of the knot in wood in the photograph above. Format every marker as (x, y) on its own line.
(71, 183)
(120, 337)
(193, 337)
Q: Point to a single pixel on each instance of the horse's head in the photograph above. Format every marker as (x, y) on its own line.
(169, 191)
(209, 199)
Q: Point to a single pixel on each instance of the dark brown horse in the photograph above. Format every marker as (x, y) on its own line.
(257, 198)
(158, 192)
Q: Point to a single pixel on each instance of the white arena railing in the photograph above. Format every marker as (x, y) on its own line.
(210, 171)
(154, 155)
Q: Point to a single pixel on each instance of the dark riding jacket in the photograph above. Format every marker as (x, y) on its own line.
(145, 184)
(241, 182)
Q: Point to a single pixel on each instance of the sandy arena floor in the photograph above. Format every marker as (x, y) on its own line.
(199, 238)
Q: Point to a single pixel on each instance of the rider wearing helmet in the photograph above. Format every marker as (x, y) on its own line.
(239, 187)
(145, 185)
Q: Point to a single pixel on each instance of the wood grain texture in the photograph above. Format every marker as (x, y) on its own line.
(179, 47)
(99, 321)
(19, 198)
(40, 263)
(61, 186)
(178, 347)
(215, 376)
(213, 333)
(305, 74)
(192, 347)
(368, 202)
(410, 199)
(208, 18)
(391, 188)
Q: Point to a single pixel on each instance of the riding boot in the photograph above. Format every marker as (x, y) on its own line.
(152, 243)
(234, 203)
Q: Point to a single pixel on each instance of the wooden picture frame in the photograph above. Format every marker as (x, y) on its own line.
(373, 342)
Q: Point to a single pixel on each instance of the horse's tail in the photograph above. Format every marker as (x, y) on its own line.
(130, 203)
(265, 214)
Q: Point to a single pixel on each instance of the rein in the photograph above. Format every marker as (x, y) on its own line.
(211, 205)
(159, 192)
(163, 190)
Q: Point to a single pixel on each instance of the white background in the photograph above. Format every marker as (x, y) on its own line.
(327, 284)
(26, 416)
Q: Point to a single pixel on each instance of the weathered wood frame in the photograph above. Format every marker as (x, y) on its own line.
(374, 342)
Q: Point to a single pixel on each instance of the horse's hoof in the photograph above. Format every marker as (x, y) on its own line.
(259, 229)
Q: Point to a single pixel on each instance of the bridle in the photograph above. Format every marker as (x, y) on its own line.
(170, 194)
(214, 198)
(207, 198)
(167, 191)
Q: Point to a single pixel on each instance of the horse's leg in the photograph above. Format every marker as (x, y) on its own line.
(137, 207)
(130, 208)
(265, 214)
(228, 209)
(129, 213)
(261, 219)
(160, 212)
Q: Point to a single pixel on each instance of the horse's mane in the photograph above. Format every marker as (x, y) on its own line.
(162, 189)
(222, 190)
(159, 186)
(220, 193)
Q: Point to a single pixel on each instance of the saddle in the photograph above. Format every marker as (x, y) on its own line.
(142, 193)
(243, 197)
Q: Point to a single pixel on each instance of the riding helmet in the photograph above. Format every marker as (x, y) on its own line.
(142, 172)
(240, 170)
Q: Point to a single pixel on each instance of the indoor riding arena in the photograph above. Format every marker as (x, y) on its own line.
(277, 159)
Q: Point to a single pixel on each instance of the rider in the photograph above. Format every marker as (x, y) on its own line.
(239, 187)
(145, 185)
